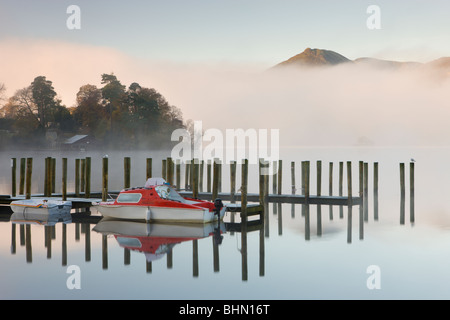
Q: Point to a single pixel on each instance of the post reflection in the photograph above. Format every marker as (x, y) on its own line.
(156, 241)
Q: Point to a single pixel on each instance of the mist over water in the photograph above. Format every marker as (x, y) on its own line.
(345, 105)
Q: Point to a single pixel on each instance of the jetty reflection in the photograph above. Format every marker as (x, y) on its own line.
(156, 240)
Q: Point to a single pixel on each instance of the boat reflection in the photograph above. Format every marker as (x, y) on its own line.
(43, 217)
(155, 240)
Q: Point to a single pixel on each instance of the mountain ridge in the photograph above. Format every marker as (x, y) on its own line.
(323, 58)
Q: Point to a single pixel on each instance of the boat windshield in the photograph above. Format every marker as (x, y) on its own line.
(168, 193)
(129, 197)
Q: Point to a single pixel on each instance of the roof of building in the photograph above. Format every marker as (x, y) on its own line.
(75, 138)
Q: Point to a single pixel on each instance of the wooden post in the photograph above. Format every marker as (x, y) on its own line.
(208, 176)
(341, 187)
(48, 177)
(232, 181)
(83, 175)
(402, 193)
(293, 189)
(195, 166)
(349, 182)
(244, 190)
(366, 191)
(28, 178)
(87, 188)
(215, 188)
(201, 169)
(64, 179)
(274, 184)
(261, 180)
(330, 187)
(149, 168)
(170, 170)
(77, 177)
(280, 175)
(319, 177)
(164, 169)
(53, 175)
(105, 178)
(375, 191)
(191, 175)
(307, 181)
(22, 176)
(361, 179)
(13, 177)
(361, 193)
(187, 169)
(411, 191)
(126, 172)
(330, 179)
(220, 175)
(178, 173)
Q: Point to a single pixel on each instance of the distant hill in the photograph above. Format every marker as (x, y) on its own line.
(323, 58)
(315, 57)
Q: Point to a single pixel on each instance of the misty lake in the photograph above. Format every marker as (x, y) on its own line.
(332, 257)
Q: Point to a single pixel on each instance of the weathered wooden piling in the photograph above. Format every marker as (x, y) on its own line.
(411, 192)
(330, 178)
(215, 186)
(87, 187)
(77, 177)
(319, 177)
(22, 176)
(191, 174)
(148, 169)
(306, 179)
(280, 176)
(28, 178)
(293, 189)
(366, 191)
(330, 188)
(47, 178)
(349, 182)
(164, 169)
(220, 175)
(53, 161)
(170, 171)
(126, 172)
(201, 170)
(402, 193)
(361, 178)
(195, 172)
(83, 175)
(208, 176)
(275, 177)
(187, 171)
(178, 174)
(244, 190)
(64, 179)
(104, 178)
(13, 176)
(375, 191)
(232, 181)
(341, 178)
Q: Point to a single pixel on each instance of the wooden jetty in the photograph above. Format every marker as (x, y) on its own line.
(83, 196)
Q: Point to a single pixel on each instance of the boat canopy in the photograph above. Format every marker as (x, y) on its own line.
(151, 182)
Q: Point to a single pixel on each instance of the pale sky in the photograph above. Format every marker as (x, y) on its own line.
(265, 31)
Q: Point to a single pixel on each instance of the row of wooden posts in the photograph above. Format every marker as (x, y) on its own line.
(171, 172)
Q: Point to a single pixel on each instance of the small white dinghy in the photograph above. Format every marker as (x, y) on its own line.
(40, 206)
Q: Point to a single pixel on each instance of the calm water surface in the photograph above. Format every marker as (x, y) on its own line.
(286, 258)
